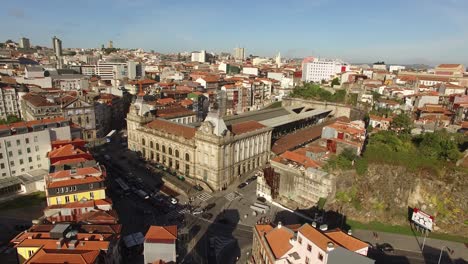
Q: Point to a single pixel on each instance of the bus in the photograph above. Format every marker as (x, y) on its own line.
(110, 136)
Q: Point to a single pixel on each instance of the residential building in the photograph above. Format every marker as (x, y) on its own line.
(294, 178)
(209, 82)
(250, 71)
(379, 122)
(306, 244)
(160, 244)
(239, 54)
(455, 70)
(342, 135)
(199, 56)
(69, 243)
(24, 145)
(396, 68)
(24, 43)
(317, 69)
(9, 105)
(57, 45)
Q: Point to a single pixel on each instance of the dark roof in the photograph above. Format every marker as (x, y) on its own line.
(256, 115)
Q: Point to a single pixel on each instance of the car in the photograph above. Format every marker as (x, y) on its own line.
(197, 211)
(181, 178)
(174, 201)
(261, 199)
(242, 185)
(209, 206)
(251, 179)
(198, 188)
(207, 216)
(385, 247)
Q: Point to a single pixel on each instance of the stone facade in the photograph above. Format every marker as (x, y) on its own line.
(211, 152)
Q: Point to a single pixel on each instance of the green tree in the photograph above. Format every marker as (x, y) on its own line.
(401, 123)
(335, 81)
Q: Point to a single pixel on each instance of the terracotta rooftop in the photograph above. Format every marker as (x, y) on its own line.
(448, 65)
(245, 127)
(317, 237)
(78, 172)
(303, 160)
(161, 234)
(30, 124)
(172, 128)
(76, 181)
(347, 128)
(52, 256)
(165, 101)
(65, 151)
(345, 240)
(278, 240)
(174, 112)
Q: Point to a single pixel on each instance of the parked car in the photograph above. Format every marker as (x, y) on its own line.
(198, 188)
(197, 211)
(251, 179)
(242, 185)
(209, 206)
(181, 178)
(385, 247)
(261, 199)
(174, 200)
(207, 216)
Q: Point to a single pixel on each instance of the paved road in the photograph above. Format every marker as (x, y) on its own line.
(410, 246)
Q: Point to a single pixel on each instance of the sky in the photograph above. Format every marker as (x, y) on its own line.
(397, 31)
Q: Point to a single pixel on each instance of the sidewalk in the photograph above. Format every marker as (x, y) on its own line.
(411, 243)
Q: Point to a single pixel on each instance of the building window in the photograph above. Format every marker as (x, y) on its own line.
(38, 157)
(320, 256)
(91, 195)
(307, 261)
(299, 239)
(164, 149)
(21, 161)
(187, 157)
(12, 163)
(157, 146)
(309, 248)
(30, 253)
(75, 198)
(67, 199)
(30, 159)
(13, 172)
(1, 155)
(35, 139)
(170, 151)
(8, 144)
(177, 153)
(20, 152)
(28, 150)
(18, 142)
(151, 144)
(91, 186)
(2, 165)
(26, 140)
(36, 148)
(10, 153)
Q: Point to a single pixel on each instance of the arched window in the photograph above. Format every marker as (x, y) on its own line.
(187, 157)
(157, 146)
(177, 153)
(143, 141)
(164, 149)
(170, 151)
(151, 144)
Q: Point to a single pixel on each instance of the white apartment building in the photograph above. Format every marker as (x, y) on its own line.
(8, 102)
(199, 56)
(396, 68)
(24, 145)
(316, 69)
(71, 82)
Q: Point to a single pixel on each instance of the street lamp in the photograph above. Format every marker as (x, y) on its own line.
(442, 250)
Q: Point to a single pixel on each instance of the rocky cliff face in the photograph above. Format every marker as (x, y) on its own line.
(385, 192)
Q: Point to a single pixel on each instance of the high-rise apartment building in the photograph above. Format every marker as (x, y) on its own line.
(57, 44)
(24, 43)
(239, 54)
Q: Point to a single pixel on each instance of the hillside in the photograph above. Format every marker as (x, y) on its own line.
(397, 172)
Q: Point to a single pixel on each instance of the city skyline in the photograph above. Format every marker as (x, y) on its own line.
(427, 32)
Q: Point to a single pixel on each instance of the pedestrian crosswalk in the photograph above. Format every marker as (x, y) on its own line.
(231, 196)
(176, 213)
(204, 196)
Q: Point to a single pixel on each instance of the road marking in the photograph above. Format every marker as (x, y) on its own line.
(204, 196)
(177, 213)
(231, 196)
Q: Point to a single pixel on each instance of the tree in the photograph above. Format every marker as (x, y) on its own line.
(335, 81)
(401, 123)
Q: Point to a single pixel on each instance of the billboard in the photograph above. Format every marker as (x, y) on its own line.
(422, 219)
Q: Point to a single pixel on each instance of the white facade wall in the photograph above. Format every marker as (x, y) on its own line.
(8, 103)
(22, 153)
(44, 82)
(318, 70)
(250, 71)
(396, 68)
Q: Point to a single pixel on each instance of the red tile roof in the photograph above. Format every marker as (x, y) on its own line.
(161, 234)
(165, 101)
(172, 128)
(278, 240)
(345, 240)
(79, 172)
(298, 158)
(448, 65)
(65, 151)
(76, 181)
(30, 124)
(246, 127)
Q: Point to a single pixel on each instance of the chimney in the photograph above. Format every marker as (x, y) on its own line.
(279, 224)
(314, 224)
(86, 238)
(60, 243)
(330, 246)
(101, 238)
(72, 244)
(350, 232)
